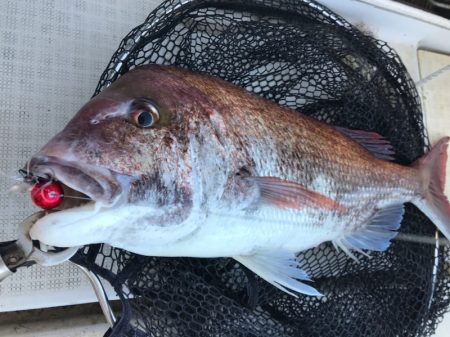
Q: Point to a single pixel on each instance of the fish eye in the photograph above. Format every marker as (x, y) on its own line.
(144, 119)
(146, 116)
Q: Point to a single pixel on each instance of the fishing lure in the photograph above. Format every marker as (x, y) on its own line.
(45, 194)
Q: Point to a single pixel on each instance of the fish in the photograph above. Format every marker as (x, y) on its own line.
(182, 164)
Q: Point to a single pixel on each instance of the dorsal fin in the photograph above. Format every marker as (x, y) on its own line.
(376, 144)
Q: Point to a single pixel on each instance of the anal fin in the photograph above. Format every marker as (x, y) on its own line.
(376, 235)
(280, 269)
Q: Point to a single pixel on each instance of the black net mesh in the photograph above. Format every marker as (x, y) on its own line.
(303, 56)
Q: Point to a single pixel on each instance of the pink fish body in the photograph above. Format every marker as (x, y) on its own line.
(183, 164)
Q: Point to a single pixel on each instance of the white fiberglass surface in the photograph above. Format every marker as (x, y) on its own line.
(52, 55)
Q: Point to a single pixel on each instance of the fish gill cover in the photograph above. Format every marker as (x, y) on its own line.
(303, 56)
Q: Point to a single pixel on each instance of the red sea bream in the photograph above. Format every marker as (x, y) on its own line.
(183, 164)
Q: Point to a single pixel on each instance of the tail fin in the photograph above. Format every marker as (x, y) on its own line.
(434, 203)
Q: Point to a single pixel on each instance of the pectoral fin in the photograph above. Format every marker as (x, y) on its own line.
(287, 194)
(281, 270)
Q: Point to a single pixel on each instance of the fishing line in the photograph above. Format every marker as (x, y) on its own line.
(433, 75)
(442, 242)
(53, 194)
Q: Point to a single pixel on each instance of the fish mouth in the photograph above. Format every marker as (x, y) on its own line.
(86, 189)
(78, 181)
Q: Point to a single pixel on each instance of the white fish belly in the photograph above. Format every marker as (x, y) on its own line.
(227, 234)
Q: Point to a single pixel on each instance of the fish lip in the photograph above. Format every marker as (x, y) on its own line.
(99, 184)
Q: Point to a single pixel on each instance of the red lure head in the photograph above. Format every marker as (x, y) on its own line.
(47, 195)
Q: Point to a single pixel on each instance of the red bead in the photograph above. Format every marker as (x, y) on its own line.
(47, 195)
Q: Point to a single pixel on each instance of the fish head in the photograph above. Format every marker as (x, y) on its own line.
(127, 147)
